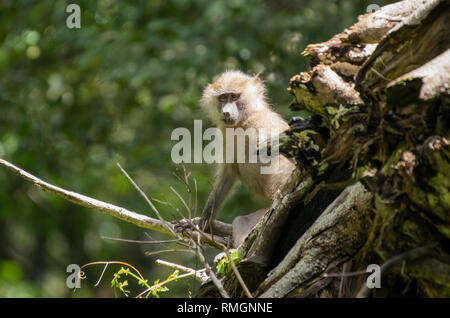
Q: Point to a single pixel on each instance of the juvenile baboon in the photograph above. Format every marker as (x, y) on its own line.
(236, 100)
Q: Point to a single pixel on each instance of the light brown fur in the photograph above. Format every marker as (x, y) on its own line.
(254, 113)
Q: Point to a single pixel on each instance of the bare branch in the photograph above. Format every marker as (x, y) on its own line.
(198, 274)
(140, 220)
(170, 250)
(121, 213)
(139, 241)
(168, 226)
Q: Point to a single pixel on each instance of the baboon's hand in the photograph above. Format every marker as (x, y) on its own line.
(185, 225)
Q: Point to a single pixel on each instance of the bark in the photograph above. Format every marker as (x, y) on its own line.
(372, 184)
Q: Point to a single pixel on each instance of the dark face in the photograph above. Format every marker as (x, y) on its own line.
(230, 108)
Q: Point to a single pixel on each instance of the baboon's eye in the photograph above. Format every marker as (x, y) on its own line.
(235, 96)
(223, 98)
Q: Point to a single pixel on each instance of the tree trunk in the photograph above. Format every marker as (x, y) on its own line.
(372, 184)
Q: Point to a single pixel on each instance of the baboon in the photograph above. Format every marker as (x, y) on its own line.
(236, 100)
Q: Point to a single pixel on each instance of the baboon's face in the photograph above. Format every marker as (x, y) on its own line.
(230, 108)
(232, 98)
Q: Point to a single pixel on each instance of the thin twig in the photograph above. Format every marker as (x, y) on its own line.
(211, 274)
(188, 189)
(181, 199)
(166, 246)
(178, 266)
(168, 226)
(138, 241)
(238, 275)
(195, 204)
(169, 251)
(198, 274)
(163, 283)
(180, 214)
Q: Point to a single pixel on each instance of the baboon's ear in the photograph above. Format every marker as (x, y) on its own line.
(258, 84)
(256, 77)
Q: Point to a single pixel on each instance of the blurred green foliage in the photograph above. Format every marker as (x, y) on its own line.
(73, 102)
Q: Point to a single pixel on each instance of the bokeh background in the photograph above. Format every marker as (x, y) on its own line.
(73, 102)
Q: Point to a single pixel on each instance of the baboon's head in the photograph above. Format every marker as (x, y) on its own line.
(232, 97)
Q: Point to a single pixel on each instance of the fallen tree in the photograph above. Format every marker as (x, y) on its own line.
(373, 181)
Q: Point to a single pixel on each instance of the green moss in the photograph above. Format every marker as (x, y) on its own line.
(224, 265)
(444, 229)
(331, 110)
